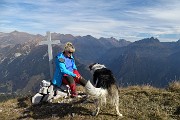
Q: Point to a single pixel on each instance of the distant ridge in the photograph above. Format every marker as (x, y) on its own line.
(24, 64)
(148, 61)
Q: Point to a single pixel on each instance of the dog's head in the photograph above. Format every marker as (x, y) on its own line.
(96, 66)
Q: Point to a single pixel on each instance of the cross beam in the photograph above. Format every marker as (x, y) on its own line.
(49, 42)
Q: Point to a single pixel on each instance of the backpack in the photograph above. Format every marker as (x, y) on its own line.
(48, 92)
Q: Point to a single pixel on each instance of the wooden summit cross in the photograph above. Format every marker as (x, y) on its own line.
(49, 42)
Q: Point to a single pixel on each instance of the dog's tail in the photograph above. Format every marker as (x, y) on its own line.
(113, 95)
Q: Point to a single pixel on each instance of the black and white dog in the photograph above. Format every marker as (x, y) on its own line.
(105, 87)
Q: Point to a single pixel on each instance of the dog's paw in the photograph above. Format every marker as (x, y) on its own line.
(95, 113)
(120, 115)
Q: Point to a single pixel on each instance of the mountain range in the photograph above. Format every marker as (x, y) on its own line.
(24, 63)
(147, 61)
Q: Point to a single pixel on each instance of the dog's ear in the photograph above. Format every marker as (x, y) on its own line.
(90, 66)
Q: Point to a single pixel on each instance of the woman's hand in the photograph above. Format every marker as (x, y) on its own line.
(78, 77)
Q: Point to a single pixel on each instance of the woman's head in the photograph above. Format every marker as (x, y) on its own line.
(69, 49)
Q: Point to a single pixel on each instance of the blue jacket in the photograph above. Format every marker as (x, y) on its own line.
(61, 69)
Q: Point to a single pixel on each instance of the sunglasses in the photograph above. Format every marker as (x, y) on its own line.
(70, 52)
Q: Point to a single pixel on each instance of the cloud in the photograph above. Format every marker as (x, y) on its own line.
(129, 19)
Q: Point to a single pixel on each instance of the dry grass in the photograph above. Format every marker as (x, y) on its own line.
(150, 104)
(174, 86)
(136, 103)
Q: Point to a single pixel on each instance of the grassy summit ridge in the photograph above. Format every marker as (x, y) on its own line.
(136, 103)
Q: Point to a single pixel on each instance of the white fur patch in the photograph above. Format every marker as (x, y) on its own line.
(95, 92)
(97, 66)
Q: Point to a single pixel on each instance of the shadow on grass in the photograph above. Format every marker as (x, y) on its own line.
(177, 112)
(50, 110)
(22, 102)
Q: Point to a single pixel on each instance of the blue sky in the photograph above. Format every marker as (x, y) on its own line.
(122, 19)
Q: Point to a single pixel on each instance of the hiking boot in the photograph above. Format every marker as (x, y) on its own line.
(74, 95)
(73, 90)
